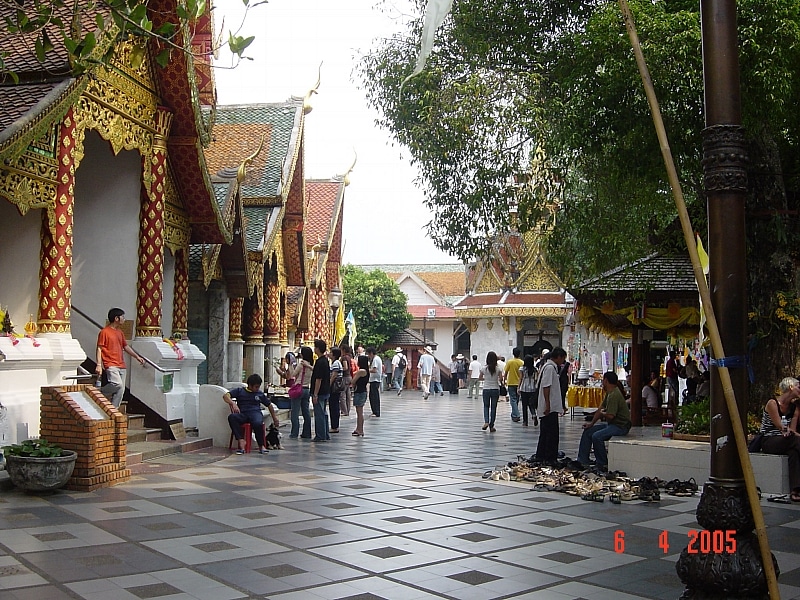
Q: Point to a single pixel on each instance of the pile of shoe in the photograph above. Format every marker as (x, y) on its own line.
(589, 484)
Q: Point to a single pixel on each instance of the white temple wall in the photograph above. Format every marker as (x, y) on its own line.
(19, 263)
(496, 339)
(106, 236)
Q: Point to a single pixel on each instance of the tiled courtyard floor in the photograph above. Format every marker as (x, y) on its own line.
(400, 514)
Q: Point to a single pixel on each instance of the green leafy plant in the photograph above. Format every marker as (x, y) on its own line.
(695, 419)
(40, 448)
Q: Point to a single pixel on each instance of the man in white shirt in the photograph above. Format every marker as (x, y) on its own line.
(425, 366)
(399, 364)
(551, 405)
(474, 377)
(375, 377)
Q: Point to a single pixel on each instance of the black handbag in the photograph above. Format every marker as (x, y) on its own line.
(503, 390)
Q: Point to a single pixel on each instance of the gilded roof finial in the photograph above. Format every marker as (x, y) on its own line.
(350, 170)
(241, 172)
(307, 108)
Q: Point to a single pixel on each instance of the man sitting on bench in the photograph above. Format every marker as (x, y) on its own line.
(245, 404)
(616, 418)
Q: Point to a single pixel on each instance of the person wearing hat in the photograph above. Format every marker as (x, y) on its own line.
(462, 371)
(425, 366)
(399, 365)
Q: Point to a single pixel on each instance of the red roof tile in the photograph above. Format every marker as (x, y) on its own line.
(321, 197)
(421, 311)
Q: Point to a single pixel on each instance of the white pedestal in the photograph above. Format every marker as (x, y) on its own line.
(146, 383)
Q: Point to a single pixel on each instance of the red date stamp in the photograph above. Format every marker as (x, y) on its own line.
(721, 541)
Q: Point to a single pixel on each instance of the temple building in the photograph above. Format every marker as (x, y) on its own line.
(115, 191)
(514, 299)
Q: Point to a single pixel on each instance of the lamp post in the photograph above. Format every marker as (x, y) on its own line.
(723, 505)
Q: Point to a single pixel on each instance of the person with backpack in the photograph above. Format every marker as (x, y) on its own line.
(399, 365)
(527, 389)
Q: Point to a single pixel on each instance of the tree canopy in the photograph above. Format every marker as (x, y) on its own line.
(511, 80)
(89, 29)
(378, 305)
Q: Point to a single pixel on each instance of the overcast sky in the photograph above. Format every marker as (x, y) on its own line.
(384, 217)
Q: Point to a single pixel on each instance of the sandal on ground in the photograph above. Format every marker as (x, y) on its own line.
(355, 433)
(485, 426)
(239, 451)
(487, 474)
(780, 499)
(594, 496)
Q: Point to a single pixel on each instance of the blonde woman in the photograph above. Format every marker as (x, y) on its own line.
(779, 428)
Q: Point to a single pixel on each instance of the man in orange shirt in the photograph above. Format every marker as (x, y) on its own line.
(110, 346)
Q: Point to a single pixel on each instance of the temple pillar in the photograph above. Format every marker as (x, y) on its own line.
(272, 333)
(635, 377)
(180, 302)
(55, 274)
(235, 341)
(218, 324)
(151, 233)
(254, 341)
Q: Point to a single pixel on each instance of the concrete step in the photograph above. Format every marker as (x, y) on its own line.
(142, 451)
(136, 422)
(143, 435)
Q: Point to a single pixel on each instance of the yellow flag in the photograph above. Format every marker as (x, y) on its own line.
(339, 330)
(701, 252)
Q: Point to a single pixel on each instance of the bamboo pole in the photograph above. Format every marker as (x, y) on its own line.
(705, 295)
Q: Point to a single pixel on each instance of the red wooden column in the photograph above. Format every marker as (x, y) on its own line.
(151, 232)
(235, 319)
(55, 274)
(272, 301)
(180, 302)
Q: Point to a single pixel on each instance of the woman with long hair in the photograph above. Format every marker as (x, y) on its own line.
(302, 373)
(492, 377)
(360, 382)
(527, 389)
(779, 426)
(346, 396)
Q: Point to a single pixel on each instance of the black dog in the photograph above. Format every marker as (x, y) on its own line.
(274, 438)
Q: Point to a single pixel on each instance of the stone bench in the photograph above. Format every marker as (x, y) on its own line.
(677, 459)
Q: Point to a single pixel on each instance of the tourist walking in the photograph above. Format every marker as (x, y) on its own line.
(436, 379)
(337, 388)
(110, 346)
(399, 364)
(302, 375)
(425, 370)
(551, 405)
(360, 382)
(321, 391)
(511, 376)
(453, 366)
(474, 377)
(527, 389)
(348, 368)
(492, 378)
(375, 377)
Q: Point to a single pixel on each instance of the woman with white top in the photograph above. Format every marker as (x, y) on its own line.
(492, 377)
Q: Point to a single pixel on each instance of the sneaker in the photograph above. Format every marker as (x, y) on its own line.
(399, 392)
(485, 426)
(263, 451)
(239, 451)
(492, 429)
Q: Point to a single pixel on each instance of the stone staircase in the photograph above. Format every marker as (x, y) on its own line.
(146, 444)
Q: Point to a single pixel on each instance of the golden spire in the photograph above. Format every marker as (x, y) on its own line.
(350, 170)
(241, 172)
(307, 108)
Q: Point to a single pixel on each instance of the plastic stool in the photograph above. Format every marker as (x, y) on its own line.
(247, 431)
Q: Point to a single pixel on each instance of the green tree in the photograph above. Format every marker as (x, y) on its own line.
(88, 31)
(378, 305)
(575, 96)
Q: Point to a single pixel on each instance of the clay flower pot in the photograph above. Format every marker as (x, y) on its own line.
(35, 474)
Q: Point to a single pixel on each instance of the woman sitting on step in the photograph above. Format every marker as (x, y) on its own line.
(779, 428)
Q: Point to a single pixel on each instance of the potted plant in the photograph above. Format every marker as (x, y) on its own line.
(38, 466)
